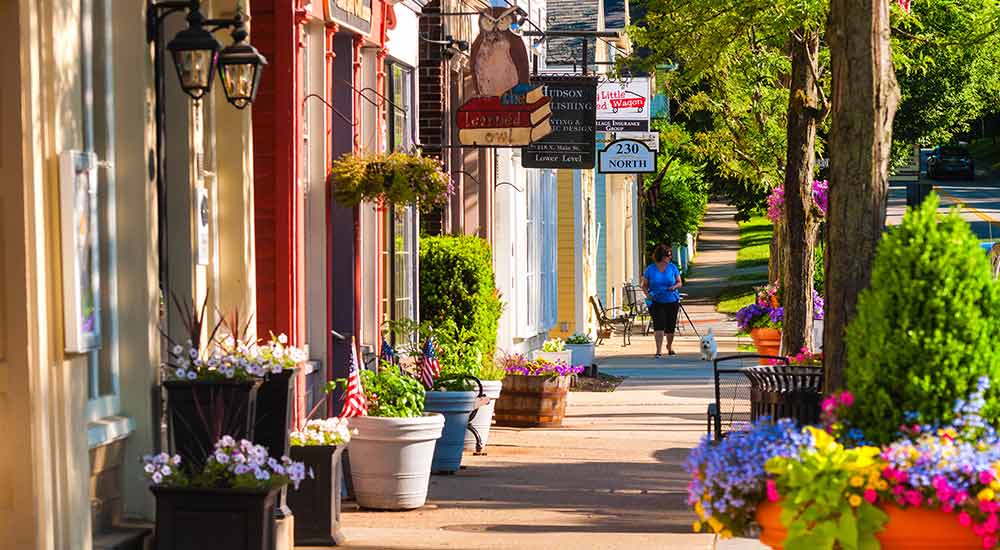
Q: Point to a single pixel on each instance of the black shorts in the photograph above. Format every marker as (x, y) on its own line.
(664, 316)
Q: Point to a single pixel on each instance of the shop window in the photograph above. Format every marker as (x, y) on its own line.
(400, 246)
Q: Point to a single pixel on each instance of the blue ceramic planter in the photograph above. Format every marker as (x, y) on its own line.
(455, 406)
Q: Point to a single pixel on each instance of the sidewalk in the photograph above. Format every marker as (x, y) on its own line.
(612, 477)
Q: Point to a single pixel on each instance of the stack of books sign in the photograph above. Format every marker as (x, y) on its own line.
(519, 117)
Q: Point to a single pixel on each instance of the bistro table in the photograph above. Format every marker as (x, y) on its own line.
(785, 391)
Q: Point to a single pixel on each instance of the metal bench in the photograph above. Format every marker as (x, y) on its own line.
(611, 320)
(732, 408)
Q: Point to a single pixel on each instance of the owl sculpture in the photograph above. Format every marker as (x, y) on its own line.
(499, 59)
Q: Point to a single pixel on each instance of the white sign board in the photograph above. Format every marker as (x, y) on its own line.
(623, 105)
(626, 156)
(651, 139)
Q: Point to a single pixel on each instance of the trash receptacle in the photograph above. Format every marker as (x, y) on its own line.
(916, 192)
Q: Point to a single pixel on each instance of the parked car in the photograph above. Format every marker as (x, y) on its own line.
(950, 160)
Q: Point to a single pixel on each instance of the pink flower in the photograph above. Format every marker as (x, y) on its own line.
(964, 519)
(913, 498)
(960, 497)
(985, 477)
(947, 508)
(846, 399)
(989, 541)
(772, 491)
(990, 525)
(828, 405)
(870, 496)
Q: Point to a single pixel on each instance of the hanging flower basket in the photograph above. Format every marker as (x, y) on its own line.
(395, 178)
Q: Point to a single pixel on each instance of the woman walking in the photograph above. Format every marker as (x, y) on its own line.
(660, 281)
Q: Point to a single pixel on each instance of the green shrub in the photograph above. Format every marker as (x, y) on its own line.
(391, 393)
(819, 268)
(457, 283)
(926, 329)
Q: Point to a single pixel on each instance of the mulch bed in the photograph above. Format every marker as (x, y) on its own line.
(603, 382)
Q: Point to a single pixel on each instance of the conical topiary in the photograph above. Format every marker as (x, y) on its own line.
(926, 329)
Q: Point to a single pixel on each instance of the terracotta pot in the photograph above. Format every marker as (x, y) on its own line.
(910, 529)
(767, 341)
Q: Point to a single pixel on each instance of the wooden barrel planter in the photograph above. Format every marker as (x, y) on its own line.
(532, 401)
(909, 529)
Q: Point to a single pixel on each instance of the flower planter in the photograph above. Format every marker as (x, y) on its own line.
(909, 529)
(215, 519)
(582, 354)
(555, 356)
(199, 412)
(455, 406)
(532, 401)
(484, 417)
(316, 504)
(273, 418)
(767, 341)
(391, 460)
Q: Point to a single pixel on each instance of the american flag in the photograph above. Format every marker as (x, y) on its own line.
(354, 399)
(388, 354)
(430, 369)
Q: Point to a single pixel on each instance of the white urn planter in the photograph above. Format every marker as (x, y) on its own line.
(391, 460)
(583, 354)
(484, 416)
(554, 356)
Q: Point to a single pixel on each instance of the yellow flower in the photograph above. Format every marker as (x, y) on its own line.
(995, 485)
(857, 481)
(986, 494)
(726, 534)
(699, 509)
(855, 501)
(882, 485)
(714, 524)
(696, 526)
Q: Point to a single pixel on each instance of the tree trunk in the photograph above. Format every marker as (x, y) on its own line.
(797, 279)
(864, 100)
(779, 251)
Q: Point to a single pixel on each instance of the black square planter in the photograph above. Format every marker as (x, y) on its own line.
(214, 519)
(199, 412)
(316, 504)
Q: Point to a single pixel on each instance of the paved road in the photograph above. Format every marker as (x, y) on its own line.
(979, 201)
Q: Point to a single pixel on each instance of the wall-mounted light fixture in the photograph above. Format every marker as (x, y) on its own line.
(196, 53)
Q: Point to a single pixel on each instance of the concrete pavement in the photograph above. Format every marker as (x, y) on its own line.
(612, 477)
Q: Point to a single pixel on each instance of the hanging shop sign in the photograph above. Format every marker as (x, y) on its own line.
(509, 110)
(623, 105)
(355, 15)
(626, 156)
(651, 139)
(572, 143)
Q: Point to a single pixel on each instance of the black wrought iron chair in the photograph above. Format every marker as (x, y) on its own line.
(732, 408)
(610, 321)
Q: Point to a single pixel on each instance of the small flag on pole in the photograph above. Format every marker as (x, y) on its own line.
(388, 354)
(430, 368)
(354, 399)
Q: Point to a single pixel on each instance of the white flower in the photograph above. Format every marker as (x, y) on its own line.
(227, 441)
(175, 460)
(282, 338)
(191, 375)
(241, 469)
(150, 468)
(157, 478)
(221, 457)
(262, 474)
(162, 458)
(180, 373)
(165, 470)
(177, 349)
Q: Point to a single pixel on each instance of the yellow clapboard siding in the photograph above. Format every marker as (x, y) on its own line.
(566, 249)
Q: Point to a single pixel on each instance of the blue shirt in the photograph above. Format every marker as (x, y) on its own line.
(661, 281)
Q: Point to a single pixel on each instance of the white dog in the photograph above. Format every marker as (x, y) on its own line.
(709, 348)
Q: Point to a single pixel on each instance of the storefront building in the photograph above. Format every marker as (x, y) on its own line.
(346, 85)
(87, 266)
